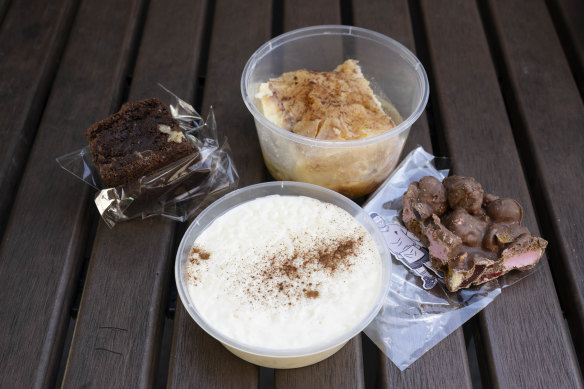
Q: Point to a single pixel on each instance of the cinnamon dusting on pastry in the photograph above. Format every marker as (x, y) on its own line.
(337, 105)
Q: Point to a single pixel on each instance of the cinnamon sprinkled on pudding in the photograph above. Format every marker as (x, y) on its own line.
(284, 271)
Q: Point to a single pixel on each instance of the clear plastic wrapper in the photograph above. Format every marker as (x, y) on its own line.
(419, 311)
(179, 190)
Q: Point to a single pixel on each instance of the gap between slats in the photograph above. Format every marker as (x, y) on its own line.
(4, 5)
(568, 44)
(346, 12)
(77, 299)
(476, 353)
(172, 299)
(125, 74)
(204, 59)
(133, 54)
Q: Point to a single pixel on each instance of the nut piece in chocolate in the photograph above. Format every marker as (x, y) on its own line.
(472, 236)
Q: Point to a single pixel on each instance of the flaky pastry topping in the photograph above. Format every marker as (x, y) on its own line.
(337, 105)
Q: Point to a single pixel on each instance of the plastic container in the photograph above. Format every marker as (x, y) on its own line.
(270, 357)
(351, 167)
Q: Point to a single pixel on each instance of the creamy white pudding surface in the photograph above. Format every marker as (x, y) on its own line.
(284, 272)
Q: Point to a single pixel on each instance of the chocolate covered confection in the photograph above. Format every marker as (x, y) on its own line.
(139, 139)
(472, 237)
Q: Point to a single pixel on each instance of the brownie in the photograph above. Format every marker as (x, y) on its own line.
(472, 236)
(137, 140)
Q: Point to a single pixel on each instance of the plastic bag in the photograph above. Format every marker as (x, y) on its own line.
(178, 190)
(418, 311)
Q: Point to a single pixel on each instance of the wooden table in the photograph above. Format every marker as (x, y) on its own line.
(86, 306)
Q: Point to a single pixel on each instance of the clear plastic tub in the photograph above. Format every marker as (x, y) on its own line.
(351, 167)
(270, 357)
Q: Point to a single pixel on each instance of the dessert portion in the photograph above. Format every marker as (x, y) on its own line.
(337, 105)
(472, 236)
(340, 106)
(139, 139)
(284, 272)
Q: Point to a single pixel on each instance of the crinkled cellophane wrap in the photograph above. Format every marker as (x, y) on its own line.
(179, 190)
(419, 311)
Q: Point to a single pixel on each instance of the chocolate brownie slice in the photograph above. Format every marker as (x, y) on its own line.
(140, 138)
(472, 237)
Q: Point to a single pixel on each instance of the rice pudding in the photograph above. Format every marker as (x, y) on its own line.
(284, 272)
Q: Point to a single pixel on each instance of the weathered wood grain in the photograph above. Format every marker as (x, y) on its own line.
(39, 268)
(523, 327)
(304, 13)
(119, 325)
(31, 42)
(443, 366)
(121, 316)
(446, 364)
(233, 41)
(537, 73)
(196, 358)
(342, 370)
(171, 50)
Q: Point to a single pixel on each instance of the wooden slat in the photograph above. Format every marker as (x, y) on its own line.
(232, 43)
(446, 364)
(31, 42)
(39, 270)
(443, 366)
(171, 50)
(373, 15)
(121, 316)
(523, 327)
(304, 13)
(342, 370)
(197, 360)
(538, 74)
(119, 324)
